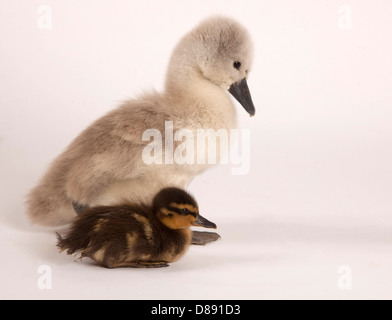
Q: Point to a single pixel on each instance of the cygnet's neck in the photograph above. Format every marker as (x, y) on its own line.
(189, 93)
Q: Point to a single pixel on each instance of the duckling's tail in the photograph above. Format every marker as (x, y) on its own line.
(61, 243)
(65, 244)
(73, 242)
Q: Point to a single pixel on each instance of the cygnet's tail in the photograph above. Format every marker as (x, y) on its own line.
(49, 207)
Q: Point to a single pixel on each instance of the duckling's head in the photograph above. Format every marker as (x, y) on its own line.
(177, 209)
(220, 50)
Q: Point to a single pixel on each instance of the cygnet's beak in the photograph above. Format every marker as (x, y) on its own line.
(240, 91)
(203, 222)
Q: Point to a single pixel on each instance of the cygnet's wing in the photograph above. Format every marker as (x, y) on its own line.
(109, 150)
(134, 117)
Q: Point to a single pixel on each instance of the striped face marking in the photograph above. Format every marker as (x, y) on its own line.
(184, 208)
(178, 215)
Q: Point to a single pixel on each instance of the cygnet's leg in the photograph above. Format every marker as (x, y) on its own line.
(78, 207)
(201, 238)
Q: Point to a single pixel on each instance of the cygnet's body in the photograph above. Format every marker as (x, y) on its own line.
(129, 235)
(104, 165)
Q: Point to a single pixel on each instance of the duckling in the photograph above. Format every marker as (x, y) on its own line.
(104, 164)
(136, 235)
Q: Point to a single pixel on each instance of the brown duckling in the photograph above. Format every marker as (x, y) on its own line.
(138, 236)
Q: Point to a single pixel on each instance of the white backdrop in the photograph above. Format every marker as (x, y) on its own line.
(319, 192)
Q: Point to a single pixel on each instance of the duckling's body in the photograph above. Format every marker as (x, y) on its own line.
(136, 235)
(104, 164)
(121, 236)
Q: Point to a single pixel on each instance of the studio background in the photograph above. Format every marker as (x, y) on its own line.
(312, 218)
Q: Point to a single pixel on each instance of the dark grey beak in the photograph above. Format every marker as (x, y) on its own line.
(203, 222)
(240, 91)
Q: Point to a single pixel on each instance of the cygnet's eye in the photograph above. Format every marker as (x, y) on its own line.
(237, 65)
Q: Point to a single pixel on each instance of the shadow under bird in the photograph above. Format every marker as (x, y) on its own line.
(137, 236)
(104, 165)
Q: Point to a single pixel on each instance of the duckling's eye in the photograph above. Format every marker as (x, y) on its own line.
(237, 65)
(184, 211)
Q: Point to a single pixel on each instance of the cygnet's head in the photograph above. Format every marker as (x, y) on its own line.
(220, 50)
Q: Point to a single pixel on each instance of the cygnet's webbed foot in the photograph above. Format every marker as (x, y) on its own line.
(201, 238)
(79, 208)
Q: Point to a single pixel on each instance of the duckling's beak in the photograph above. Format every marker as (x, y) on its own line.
(203, 222)
(240, 91)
